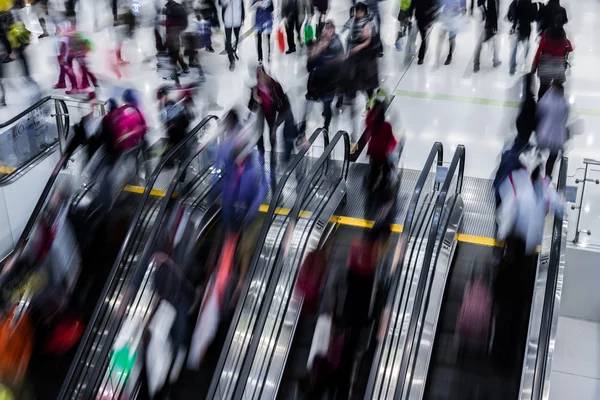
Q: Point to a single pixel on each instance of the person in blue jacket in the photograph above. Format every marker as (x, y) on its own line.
(263, 26)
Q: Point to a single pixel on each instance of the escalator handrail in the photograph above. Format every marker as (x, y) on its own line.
(134, 222)
(294, 215)
(140, 266)
(260, 244)
(435, 155)
(550, 293)
(458, 160)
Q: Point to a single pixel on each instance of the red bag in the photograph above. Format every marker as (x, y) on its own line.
(475, 313)
(281, 38)
(310, 279)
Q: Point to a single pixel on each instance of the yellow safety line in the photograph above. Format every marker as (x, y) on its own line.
(6, 170)
(340, 219)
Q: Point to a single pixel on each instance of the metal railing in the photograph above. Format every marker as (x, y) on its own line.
(69, 384)
(435, 155)
(586, 179)
(541, 379)
(276, 200)
(458, 161)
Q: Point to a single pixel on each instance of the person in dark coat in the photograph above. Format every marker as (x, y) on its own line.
(522, 13)
(490, 9)
(294, 12)
(425, 11)
(550, 14)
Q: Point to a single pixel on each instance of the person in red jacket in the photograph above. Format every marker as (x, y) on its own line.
(550, 61)
(382, 143)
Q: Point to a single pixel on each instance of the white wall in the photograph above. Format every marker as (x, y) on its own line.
(581, 288)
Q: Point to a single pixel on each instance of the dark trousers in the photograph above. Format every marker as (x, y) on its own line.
(293, 24)
(160, 47)
(289, 135)
(20, 54)
(544, 86)
(259, 49)
(423, 31)
(231, 49)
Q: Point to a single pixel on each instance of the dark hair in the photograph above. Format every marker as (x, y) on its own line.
(360, 6)
(556, 33)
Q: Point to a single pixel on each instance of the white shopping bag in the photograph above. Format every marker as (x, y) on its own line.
(320, 342)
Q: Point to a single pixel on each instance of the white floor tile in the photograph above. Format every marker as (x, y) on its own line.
(566, 386)
(577, 348)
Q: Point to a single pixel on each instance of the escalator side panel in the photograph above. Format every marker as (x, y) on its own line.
(387, 373)
(282, 320)
(444, 256)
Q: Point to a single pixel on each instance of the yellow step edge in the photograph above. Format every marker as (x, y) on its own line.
(342, 220)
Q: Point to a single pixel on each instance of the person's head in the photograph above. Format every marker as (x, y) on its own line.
(328, 30)
(162, 94)
(112, 104)
(129, 97)
(360, 10)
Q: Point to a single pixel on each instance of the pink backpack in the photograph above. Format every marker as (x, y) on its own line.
(128, 127)
(475, 313)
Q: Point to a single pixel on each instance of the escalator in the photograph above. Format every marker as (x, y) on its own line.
(120, 270)
(276, 366)
(278, 240)
(436, 362)
(91, 377)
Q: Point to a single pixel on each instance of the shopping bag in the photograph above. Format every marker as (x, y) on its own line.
(281, 39)
(320, 342)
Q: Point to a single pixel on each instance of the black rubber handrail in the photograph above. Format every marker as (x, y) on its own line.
(550, 294)
(458, 161)
(273, 204)
(294, 215)
(435, 155)
(139, 210)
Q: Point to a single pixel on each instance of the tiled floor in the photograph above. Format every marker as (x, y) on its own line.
(576, 366)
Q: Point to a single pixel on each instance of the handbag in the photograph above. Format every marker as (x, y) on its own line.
(281, 36)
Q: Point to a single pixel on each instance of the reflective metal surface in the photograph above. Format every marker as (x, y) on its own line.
(284, 310)
(445, 253)
(539, 351)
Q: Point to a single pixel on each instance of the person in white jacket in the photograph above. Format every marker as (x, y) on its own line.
(552, 114)
(233, 18)
(526, 198)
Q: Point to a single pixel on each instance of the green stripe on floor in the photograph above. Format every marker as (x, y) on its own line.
(479, 100)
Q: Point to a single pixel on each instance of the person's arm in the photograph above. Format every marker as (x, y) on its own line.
(538, 54)
(317, 49)
(366, 33)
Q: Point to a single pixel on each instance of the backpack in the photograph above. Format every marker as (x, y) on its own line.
(19, 35)
(475, 314)
(127, 127)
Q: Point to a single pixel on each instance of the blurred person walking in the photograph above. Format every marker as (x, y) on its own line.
(527, 120)
(233, 18)
(522, 14)
(263, 26)
(490, 9)
(360, 68)
(324, 63)
(381, 145)
(425, 11)
(268, 97)
(176, 22)
(452, 11)
(552, 115)
(6, 21)
(550, 60)
(294, 12)
(550, 15)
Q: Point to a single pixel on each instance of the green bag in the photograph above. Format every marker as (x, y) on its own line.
(309, 34)
(405, 4)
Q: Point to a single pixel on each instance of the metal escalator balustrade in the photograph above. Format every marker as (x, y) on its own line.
(539, 350)
(244, 322)
(421, 328)
(85, 372)
(405, 263)
(321, 193)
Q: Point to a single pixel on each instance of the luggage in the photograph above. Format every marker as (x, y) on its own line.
(474, 317)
